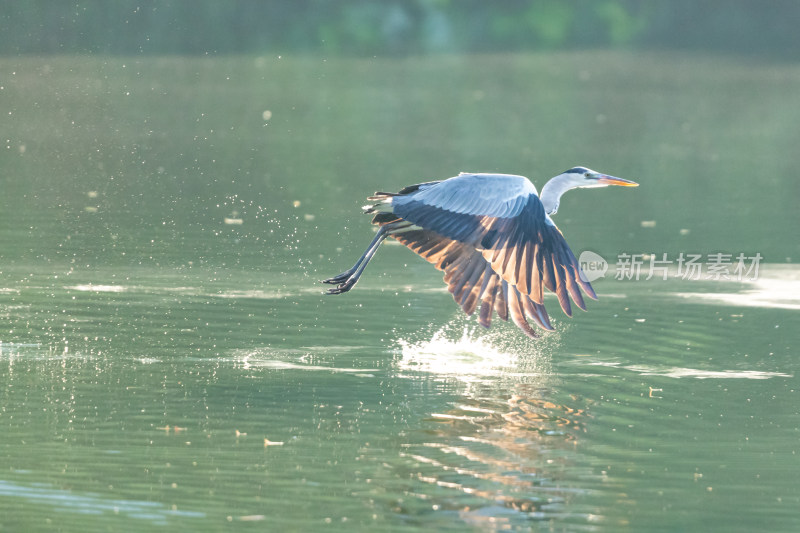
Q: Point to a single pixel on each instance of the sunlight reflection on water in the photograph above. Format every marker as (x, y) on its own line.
(256, 294)
(679, 372)
(778, 287)
(296, 359)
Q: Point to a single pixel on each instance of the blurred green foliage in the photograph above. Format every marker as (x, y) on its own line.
(371, 27)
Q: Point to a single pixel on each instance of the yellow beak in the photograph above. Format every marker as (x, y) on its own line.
(611, 180)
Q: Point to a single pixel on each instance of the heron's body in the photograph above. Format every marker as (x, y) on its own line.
(493, 237)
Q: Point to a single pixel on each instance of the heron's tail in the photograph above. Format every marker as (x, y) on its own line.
(381, 209)
(382, 206)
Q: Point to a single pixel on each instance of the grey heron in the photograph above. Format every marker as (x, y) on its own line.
(493, 237)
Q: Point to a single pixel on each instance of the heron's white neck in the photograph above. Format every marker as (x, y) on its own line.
(552, 191)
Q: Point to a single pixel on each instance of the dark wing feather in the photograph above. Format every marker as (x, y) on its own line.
(526, 250)
(471, 279)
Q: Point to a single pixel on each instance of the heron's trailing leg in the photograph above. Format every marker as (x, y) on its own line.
(347, 279)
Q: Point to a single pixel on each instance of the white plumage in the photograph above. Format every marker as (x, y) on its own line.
(494, 195)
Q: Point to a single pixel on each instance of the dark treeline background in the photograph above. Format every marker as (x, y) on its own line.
(367, 27)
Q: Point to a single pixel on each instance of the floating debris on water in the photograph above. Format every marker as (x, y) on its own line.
(252, 518)
(175, 429)
(648, 223)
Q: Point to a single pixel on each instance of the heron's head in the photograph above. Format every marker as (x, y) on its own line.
(587, 178)
(578, 177)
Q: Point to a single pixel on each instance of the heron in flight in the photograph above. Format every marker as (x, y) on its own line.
(493, 237)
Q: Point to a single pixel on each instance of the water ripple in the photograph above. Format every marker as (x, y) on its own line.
(93, 504)
(679, 372)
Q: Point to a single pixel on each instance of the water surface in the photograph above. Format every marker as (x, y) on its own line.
(168, 359)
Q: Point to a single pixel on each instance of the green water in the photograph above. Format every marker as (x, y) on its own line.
(163, 369)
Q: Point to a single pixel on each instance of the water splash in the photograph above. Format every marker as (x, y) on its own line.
(468, 352)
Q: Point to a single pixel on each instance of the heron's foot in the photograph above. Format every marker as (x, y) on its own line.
(343, 287)
(341, 278)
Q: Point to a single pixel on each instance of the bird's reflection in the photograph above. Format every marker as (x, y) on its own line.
(503, 451)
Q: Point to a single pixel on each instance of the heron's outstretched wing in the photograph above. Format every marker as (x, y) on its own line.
(530, 252)
(503, 219)
(471, 280)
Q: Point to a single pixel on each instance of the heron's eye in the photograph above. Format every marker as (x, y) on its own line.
(587, 175)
